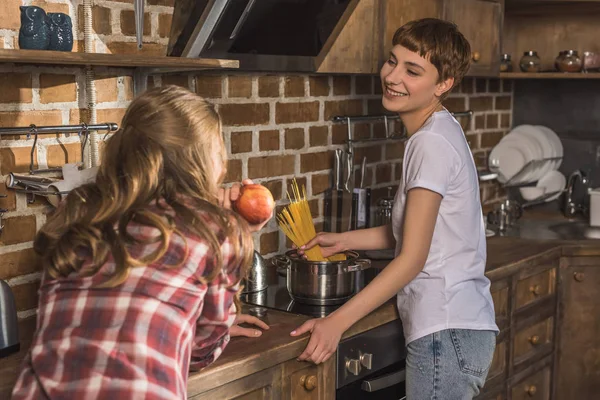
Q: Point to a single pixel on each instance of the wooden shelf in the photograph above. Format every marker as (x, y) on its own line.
(550, 75)
(112, 60)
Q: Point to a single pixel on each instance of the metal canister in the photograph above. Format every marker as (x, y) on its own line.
(383, 215)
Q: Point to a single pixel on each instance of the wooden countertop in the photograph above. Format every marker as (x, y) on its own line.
(244, 356)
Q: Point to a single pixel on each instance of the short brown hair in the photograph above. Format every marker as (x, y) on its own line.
(440, 42)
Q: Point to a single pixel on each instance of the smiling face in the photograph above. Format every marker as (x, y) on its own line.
(410, 82)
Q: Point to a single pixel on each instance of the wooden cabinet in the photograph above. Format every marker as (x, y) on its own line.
(548, 27)
(525, 304)
(354, 47)
(399, 12)
(291, 380)
(578, 369)
(481, 22)
(364, 38)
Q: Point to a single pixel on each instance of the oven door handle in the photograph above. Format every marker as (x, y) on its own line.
(384, 381)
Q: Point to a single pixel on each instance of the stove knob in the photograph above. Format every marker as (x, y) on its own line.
(366, 360)
(353, 366)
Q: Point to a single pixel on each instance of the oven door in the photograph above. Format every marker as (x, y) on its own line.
(386, 384)
(371, 365)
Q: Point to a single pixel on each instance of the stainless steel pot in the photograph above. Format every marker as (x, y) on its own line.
(322, 282)
(257, 275)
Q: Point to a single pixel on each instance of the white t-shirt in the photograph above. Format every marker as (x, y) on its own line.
(451, 292)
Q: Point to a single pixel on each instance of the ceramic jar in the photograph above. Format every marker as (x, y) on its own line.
(568, 61)
(530, 62)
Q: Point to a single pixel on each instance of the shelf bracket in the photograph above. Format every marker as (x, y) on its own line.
(140, 80)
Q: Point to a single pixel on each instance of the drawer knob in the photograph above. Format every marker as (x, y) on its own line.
(578, 276)
(535, 289)
(309, 382)
(534, 340)
(531, 390)
(476, 56)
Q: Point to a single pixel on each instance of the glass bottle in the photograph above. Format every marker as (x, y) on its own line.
(568, 61)
(530, 62)
(506, 63)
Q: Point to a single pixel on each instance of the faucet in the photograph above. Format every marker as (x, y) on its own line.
(570, 206)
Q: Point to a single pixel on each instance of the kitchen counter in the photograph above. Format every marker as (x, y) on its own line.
(244, 356)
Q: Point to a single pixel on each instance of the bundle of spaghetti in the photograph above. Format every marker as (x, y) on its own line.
(296, 222)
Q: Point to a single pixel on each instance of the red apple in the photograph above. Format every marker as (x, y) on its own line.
(255, 203)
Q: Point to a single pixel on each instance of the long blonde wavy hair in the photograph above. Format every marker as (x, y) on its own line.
(161, 152)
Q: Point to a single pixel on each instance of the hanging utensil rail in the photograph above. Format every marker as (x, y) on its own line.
(109, 127)
(362, 118)
(385, 117)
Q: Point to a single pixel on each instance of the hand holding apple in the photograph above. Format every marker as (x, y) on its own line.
(252, 201)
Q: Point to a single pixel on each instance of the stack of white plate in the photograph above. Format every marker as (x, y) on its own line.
(529, 153)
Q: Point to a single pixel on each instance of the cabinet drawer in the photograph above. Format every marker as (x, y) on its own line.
(534, 387)
(304, 384)
(535, 287)
(533, 339)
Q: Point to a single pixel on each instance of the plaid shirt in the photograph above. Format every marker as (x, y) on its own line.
(137, 340)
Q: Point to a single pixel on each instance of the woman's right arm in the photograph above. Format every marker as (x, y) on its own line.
(378, 238)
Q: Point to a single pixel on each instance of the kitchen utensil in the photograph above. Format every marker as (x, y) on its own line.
(505, 214)
(330, 200)
(346, 193)
(363, 199)
(9, 330)
(138, 9)
(321, 282)
(354, 214)
(383, 215)
(256, 280)
(333, 197)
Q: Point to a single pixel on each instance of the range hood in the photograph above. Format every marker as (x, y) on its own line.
(264, 35)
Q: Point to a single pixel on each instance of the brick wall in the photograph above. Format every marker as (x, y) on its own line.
(276, 127)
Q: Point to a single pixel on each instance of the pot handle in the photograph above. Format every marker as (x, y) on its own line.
(359, 265)
(281, 261)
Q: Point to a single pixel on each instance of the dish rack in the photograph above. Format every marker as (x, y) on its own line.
(515, 180)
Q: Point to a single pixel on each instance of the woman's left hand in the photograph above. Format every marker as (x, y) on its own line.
(227, 196)
(237, 330)
(325, 336)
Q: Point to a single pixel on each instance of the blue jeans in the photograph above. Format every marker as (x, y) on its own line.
(449, 365)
